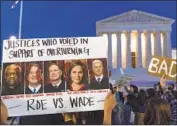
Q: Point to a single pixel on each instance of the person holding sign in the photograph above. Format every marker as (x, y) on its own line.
(76, 82)
(117, 110)
(108, 108)
(55, 76)
(157, 112)
(12, 84)
(4, 113)
(167, 95)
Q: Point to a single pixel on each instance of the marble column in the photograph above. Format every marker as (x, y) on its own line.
(168, 43)
(164, 53)
(128, 50)
(119, 50)
(139, 50)
(158, 47)
(110, 50)
(148, 47)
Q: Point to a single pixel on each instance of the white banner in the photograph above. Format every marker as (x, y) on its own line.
(25, 50)
(54, 75)
(61, 102)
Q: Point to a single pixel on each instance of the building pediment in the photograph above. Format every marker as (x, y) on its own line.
(136, 16)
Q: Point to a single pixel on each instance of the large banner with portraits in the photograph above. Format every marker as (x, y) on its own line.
(54, 75)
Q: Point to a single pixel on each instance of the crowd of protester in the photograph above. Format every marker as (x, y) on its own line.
(153, 106)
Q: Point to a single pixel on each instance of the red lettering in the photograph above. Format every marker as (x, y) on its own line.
(69, 92)
(59, 93)
(50, 94)
(28, 95)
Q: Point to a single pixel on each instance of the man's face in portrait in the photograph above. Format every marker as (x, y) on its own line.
(97, 68)
(11, 75)
(54, 73)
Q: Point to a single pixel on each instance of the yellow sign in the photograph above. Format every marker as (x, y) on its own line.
(160, 65)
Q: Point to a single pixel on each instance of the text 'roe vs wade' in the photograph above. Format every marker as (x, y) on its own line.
(53, 49)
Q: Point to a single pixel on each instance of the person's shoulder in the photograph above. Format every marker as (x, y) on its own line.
(63, 82)
(4, 92)
(105, 77)
(5, 87)
(47, 85)
(27, 90)
(169, 95)
(92, 80)
(87, 86)
(21, 86)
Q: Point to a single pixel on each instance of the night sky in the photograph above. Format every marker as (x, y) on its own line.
(73, 19)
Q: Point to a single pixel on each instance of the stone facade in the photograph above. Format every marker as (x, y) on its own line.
(155, 29)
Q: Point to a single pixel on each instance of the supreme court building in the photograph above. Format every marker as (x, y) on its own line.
(134, 36)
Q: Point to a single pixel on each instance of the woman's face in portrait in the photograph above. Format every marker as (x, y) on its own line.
(76, 74)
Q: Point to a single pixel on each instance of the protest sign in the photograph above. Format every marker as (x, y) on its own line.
(160, 66)
(54, 75)
(61, 102)
(124, 80)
